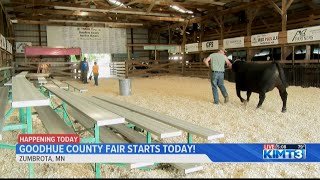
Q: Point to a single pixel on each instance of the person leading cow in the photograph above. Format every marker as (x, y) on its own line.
(218, 61)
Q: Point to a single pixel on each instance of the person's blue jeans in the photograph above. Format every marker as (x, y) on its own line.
(217, 80)
(95, 76)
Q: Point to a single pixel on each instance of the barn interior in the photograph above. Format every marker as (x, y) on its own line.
(160, 46)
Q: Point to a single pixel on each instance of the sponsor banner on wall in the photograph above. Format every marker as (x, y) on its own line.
(8, 46)
(210, 45)
(237, 42)
(175, 50)
(265, 39)
(303, 34)
(3, 42)
(89, 39)
(21, 45)
(193, 47)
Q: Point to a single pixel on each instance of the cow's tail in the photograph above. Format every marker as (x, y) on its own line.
(282, 75)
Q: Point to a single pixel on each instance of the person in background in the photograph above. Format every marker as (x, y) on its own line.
(81, 62)
(85, 69)
(95, 71)
(218, 61)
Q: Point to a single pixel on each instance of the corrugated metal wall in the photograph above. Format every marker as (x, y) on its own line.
(30, 33)
(36, 34)
(141, 36)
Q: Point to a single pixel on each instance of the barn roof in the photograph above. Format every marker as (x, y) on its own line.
(162, 15)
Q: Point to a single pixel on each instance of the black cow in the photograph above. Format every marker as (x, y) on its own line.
(260, 78)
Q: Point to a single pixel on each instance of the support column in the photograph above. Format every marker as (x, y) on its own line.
(308, 52)
(184, 40)
(284, 15)
(169, 35)
(221, 28)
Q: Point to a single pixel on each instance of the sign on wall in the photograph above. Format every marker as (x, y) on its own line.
(210, 45)
(237, 42)
(303, 34)
(89, 39)
(21, 45)
(175, 50)
(193, 47)
(265, 39)
(3, 42)
(8, 46)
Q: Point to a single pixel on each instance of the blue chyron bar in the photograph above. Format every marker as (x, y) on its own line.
(169, 153)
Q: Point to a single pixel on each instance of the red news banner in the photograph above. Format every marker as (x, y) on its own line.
(48, 139)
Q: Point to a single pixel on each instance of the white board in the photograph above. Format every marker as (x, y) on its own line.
(21, 45)
(210, 45)
(265, 39)
(3, 42)
(89, 39)
(303, 34)
(8, 46)
(193, 47)
(237, 42)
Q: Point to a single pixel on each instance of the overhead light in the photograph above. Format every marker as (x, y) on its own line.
(14, 21)
(180, 9)
(117, 3)
(84, 13)
(95, 22)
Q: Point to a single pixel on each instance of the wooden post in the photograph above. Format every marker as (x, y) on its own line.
(308, 52)
(169, 35)
(284, 15)
(221, 28)
(283, 53)
(149, 41)
(251, 14)
(249, 24)
(183, 50)
(157, 56)
(202, 26)
(132, 40)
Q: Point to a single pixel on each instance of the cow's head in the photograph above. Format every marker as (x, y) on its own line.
(236, 65)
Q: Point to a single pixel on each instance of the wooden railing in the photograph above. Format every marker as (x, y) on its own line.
(196, 69)
(118, 69)
(56, 69)
(152, 67)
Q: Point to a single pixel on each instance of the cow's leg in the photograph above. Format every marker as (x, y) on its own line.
(284, 95)
(262, 96)
(248, 95)
(239, 95)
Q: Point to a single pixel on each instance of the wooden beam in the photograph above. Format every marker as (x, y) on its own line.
(95, 14)
(45, 3)
(151, 6)
(284, 15)
(151, 18)
(289, 4)
(221, 28)
(221, 12)
(266, 24)
(111, 24)
(311, 4)
(217, 20)
(127, 11)
(157, 2)
(59, 12)
(276, 7)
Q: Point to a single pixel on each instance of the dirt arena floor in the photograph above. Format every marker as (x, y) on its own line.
(190, 99)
